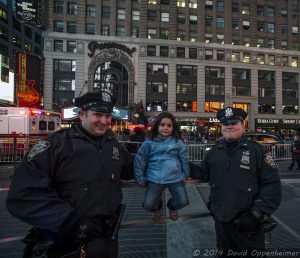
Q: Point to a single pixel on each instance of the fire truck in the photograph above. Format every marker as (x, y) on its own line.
(28, 121)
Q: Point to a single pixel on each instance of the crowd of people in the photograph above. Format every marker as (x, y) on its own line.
(68, 186)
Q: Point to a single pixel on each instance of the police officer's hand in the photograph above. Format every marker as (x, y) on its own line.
(86, 229)
(247, 223)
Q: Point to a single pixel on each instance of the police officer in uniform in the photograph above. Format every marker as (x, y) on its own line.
(68, 185)
(244, 187)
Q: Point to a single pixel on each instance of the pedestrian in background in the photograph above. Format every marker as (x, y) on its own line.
(68, 185)
(162, 162)
(295, 149)
(244, 186)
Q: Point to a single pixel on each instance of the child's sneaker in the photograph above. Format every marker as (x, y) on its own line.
(173, 215)
(156, 215)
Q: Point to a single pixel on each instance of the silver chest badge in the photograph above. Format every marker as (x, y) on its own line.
(245, 160)
(115, 153)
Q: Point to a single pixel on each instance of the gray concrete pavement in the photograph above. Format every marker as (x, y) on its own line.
(172, 239)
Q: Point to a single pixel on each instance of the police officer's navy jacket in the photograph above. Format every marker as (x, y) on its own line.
(162, 161)
(240, 179)
(67, 171)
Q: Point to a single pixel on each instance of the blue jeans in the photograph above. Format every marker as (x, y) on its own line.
(154, 191)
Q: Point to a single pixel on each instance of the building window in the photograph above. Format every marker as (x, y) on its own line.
(180, 3)
(235, 24)
(3, 15)
(246, 58)
(164, 51)
(180, 18)
(152, 15)
(295, 15)
(193, 53)
(165, 17)
(235, 40)
(295, 46)
(151, 50)
(260, 27)
(295, 31)
(71, 27)
(64, 65)
(246, 41)
(235, 7)
(209, 5)
(193, 19)
(284, 29)
(220, 55)
(266, 108)
(220, 23)
(105, 30)
(120, 31)
(90, 28)
(235, 57)
(105, 12)
(151, 33)
(187, 71)
(260, 10)
(220, 6)
(58, 26)
(135, 32)
(246, 9)
(270, 12)
(271, 60)
(64, 84)
(71, 46)
(135, 15)
(271, 27)
(27, 46)
(214, 72)
(246, 25)
(151, 1)
(157, 69)
(284, 45)
(284, 13)
(164, 1)
(16, 40)
(208, 38)
(72, 8)
(260, 59)
(220, 38)
(90, 10)
(213, 106)
(271, 43)
(121, 14)
(284, 61)
(208, 21)
(180, 35)
(294, 62)
(193, 4)
(180, 52)
(164, 33)
(209, 55)
(37, 38)
(193, 36)
(58, 45)
(3, 33)
(260, 43)
(58, 7)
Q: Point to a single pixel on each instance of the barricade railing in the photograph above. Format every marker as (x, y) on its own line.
(14, 147)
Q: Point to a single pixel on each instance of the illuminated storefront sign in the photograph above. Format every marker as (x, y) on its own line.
(6, 82)
(28, 11)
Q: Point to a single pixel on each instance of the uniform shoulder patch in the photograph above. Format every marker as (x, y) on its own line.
(38, 148)
(269, 160)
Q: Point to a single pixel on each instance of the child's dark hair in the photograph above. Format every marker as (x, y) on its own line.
(154, 131)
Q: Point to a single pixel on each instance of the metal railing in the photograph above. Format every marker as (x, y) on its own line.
(13, 148)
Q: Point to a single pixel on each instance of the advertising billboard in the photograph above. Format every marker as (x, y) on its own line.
(28, 79)
(6, 82)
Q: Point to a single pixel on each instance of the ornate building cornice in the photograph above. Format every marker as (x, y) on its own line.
(94, 45)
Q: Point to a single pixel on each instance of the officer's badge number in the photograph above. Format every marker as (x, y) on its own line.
(40, 147)
(269, 160)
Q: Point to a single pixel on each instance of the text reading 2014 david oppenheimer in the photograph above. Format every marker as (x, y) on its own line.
(206, 252)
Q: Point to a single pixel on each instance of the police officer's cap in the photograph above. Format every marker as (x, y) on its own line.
(100, 101)
(230, 115)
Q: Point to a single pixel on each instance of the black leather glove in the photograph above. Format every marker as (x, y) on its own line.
(86, 229)
(247, 223)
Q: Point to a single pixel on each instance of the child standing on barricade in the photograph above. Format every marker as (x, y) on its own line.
(162, 162)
